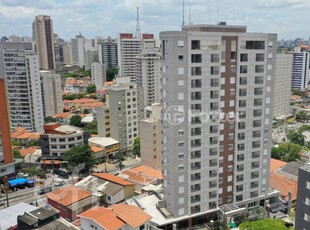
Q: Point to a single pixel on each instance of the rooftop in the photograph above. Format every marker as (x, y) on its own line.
(68, 129)
(276, 164)
(104, 217)
(112, 178)
(36, 215)
(68, 195)
(103, 141)
(24, 152)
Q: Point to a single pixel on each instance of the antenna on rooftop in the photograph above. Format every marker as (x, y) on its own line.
(190, 15)
(217, 16)
(138, 31)
(183, 22)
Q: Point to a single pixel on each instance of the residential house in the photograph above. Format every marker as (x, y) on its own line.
(70, 201)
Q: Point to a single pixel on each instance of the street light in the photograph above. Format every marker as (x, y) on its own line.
(5, 188)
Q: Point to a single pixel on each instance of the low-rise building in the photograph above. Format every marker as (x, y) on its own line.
(109, 146)
(71, 201)
(22, 135)
(43, 218)
(118, 216)
(58, 139)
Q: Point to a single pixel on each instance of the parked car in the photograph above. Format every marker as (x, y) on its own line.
(59, 182)
(2, 202)
(21, 174)
(61, 173)
(44, 190)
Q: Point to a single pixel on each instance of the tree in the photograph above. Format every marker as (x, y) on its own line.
(120, 158)
(16, 154)
(93, 96)
(35, 171)
(104, 98)
(136, 147)
(91, 89)
(296, 92)
(263, 224)
(296, 137)
(80, 95)
(304, 128)
(17, 143)
(301, 116)
(287, 151)
(49, 119)
(34, 142)
(68, 97)
(275, 153)
(80, 154)
(111, 72)
(76, 121)
(86, 111)
(92, 127)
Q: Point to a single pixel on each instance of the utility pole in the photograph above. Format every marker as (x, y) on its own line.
(6, 189)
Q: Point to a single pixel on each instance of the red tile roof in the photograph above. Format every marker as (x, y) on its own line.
(26, 151)
(68, 195)
(130, 214)
(155, 173)
(104, 217)
(276, 164)
(283, 185)
(112, 178)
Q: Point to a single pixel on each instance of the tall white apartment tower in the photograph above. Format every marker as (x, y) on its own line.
(51, 92)
(98, 74)
(149, 75)
(44, 41)
(125, 101)
(282, 84)
(128, 48)
(20, 66)
(217, 85)
(300, 75)
(77, 46)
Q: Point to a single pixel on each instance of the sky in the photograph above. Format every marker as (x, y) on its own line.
(288, 18)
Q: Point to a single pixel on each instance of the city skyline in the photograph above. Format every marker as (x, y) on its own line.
(106, 18)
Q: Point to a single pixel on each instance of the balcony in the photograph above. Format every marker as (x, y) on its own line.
(196, 166)
(196, 133)
(215, 70)
(195, 200)
(253, 194)
(257, 113)
(213, 152)
(195, 155)
(242, 104)
(213, 141)
(196, 58)
(254, 175)
(258, 91)
(258, 102)
(241, 136)
(241, 125)
(195, 45)
(212, 185)
(240, 178)
(214, 106)
(196, 71)
(254, 165)
(254, 185)
(213, 163)
(240, 168)
(239, 188)
(240, 147)
(243, 81)
(212, 174)
(257, 124)
(196, 120)
(215, 58)
(195, 177)
(242, 92)
(196, 96)
(239, 198)
(212, 205)
(196, 83)
(195, 143)
(214, 95)
(240, 158)
(212, 195)
(215, 82)
(213, 130)
(195, 188)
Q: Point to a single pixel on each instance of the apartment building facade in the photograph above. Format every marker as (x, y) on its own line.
(149, 75)
(300, 75)
(283, 79)
(51, 92)
(20, 66)
(98, 75)
(125, 103)
(58, 139)
(217, 85)
(44, 41)
(107, 49)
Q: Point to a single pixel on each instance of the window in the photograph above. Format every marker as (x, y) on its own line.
(196, 58)
(181, 132)
(215, 57)
(180, 43)
(260, 57)
(215, 70)
(180, 57)
(259, 45)
(196, 71)
(259, 68)
(243, 57)
(243, 69)
(195, 45)
(181, 144)
(181, 70)
(181, 156)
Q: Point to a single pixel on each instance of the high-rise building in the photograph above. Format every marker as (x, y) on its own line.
(149, 75)
(98, 75)
(125, 101)
(90, 57)
(107, 49)
(302, 220)
(282, 84)
(59, 52)
(217, 88)
(150, 138)
(300, 76)
(51, 92)
(77, 45)
(128, 48)
(19, 64)
(67, 54)
(44, 41)
(6, 156)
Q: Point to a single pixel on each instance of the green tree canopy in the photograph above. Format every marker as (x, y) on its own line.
(68, 97)
(92, 127)
(76, 121)
(91, 89)
(286, 151)
(296, 92)
(296, 137)
(16, 154)
(80, 154)
(49, 119)
(136, 147)
(264, 224)
(301, 116)
(34, 142)
(111, 72)
(304, 128)
(86, 111)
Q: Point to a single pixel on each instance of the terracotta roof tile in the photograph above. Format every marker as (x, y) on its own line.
(112, 178)
(276, 164)
(137, 178)
(104, 217)
(68, 195)
(26, 151)
(95, 149)
(283, 185)
(148, 171)
(130, 214)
